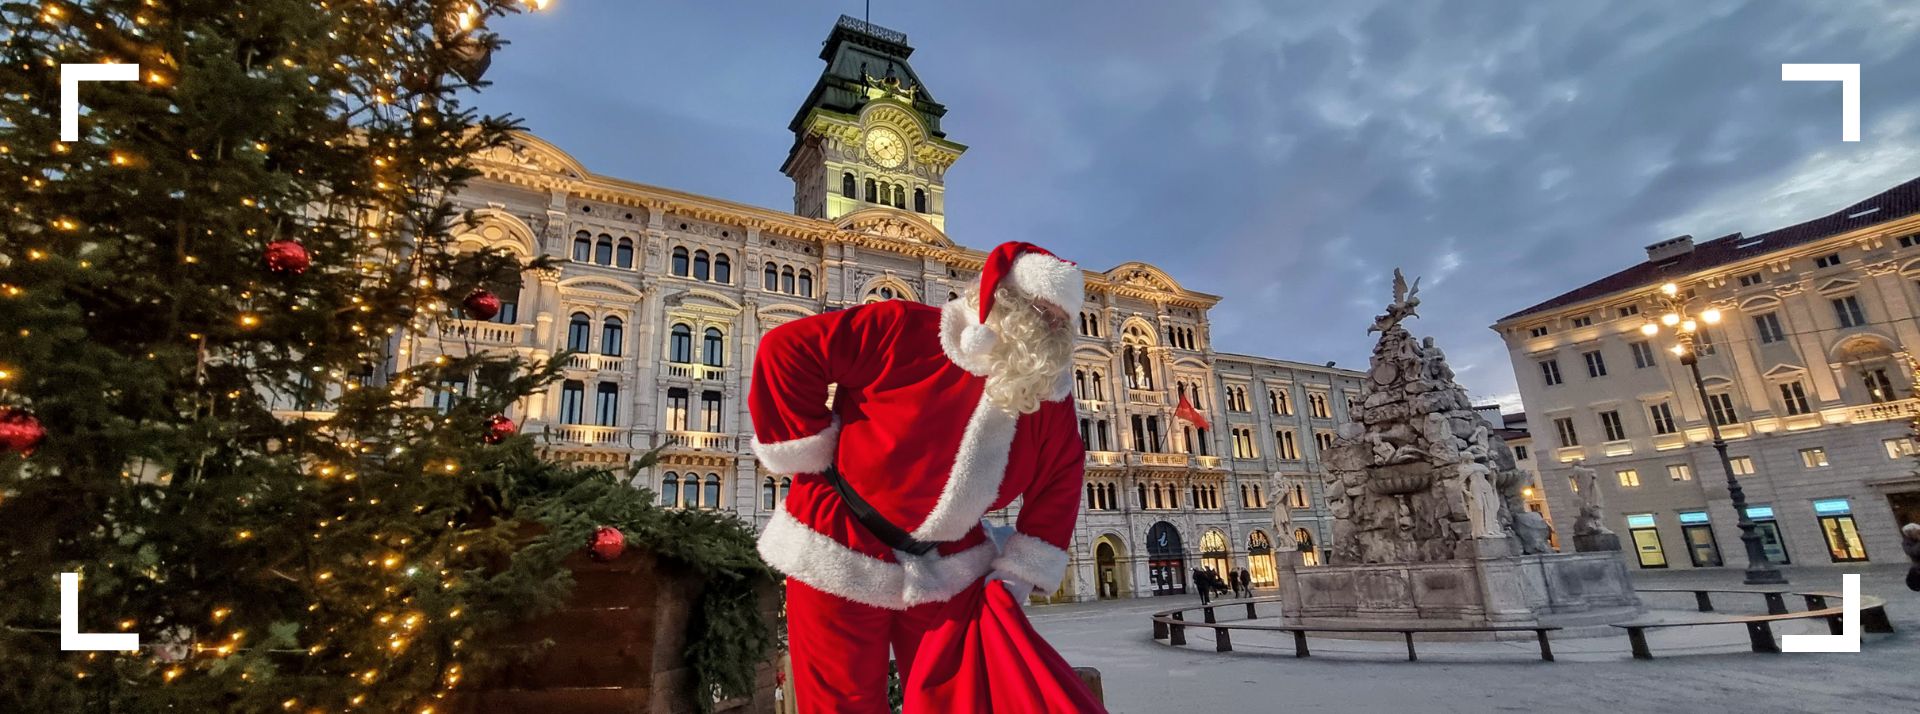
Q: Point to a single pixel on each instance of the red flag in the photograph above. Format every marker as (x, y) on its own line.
(1187, 412)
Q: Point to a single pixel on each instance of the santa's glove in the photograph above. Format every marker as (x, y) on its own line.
(1020, 588)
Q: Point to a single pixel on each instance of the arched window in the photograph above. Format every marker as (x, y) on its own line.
(899, 196)
(1099, 390)
(579, 332)
(919, 200)
(722, 269)
(1141, 488)
(1080, 383)
(847, 185)
(711, 498)
(603, 250)
(700, 265)
(711, 349)
(786, 485)
(612, 337)
(873, 191)
(769, 491)
(1305, 539)
(771, 279)
(680, 345)
(680, 262)
(582, 247)
(805, 286)
(786, 280)
(1110, 497)
(690, 491)
(670, 490)
(623, 253)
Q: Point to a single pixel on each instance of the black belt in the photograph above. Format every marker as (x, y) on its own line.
(876, 524)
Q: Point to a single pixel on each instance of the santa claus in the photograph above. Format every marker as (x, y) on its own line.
(938, 415)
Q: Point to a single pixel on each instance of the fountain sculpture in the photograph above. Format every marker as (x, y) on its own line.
(1429, 522)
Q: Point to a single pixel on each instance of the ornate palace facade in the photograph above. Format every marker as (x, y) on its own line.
(660, 298)
(1808, 374)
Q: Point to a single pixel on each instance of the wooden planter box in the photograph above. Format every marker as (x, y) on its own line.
(617, 647)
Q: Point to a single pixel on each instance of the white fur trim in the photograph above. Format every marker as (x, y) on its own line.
(1032, 560)
(805, 455)
(955, 318)
(978, 467)
(978, 339)
(1050, 279)
(1065, 387)
(830, 566)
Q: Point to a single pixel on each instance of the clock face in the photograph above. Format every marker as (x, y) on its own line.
(886, 147)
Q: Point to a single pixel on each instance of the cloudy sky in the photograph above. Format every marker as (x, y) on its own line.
(1283, 155)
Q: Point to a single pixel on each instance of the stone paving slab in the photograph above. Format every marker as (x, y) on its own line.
(1142, 676)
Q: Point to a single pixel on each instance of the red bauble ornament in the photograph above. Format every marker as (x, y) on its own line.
(285, 257)
(481, 305)
(20, 432)
(499, 427)
(607, 543)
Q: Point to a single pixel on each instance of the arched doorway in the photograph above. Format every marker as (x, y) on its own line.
(1111, 579)
(1308, 556)
(1214, 555)
(1166, 562)
(1260, 559)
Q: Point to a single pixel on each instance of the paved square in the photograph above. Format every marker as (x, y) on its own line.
(1142, 676)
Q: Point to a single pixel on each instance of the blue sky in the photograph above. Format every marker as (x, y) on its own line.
(1284, 155)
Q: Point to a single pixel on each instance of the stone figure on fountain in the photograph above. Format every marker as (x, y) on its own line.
(1590, 532)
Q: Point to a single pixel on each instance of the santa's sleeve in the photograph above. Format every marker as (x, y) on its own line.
(794, 431)
(1037, 550)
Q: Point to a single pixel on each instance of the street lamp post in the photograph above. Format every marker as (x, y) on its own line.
(1760, 570)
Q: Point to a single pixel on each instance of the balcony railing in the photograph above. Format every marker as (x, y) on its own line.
(1146, 396)
(1208, 462)
(1885, 411)
(1105, 458)
(485, 333)
(699, 440)
(1177, 460)
(616, 436)
(593, 362)
(686, 370)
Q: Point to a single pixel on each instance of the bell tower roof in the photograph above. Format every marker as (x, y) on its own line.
(869, 134)
(862, 56)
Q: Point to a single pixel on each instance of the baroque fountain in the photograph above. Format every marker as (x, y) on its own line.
(1429, 522)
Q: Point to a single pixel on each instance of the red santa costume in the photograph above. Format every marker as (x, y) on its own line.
(913, 433)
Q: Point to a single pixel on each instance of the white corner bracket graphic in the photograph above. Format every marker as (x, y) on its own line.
(71, 75)
(1848, 75)
(1849, 638)
(72, 639)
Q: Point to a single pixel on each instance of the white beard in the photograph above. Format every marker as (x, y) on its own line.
(1031, 358)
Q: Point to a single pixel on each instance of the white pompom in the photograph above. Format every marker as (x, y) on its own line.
(978, 339)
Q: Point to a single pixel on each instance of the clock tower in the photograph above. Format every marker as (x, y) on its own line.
(869, 133)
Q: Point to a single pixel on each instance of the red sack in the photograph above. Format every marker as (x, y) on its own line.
(983, 656)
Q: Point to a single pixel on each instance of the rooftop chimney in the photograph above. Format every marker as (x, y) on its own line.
(1669, 249)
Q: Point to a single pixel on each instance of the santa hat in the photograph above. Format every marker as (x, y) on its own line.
(1032, 270)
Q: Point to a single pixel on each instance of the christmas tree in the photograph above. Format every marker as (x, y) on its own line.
(206, 405)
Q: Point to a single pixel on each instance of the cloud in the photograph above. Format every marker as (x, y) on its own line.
(1286, 155)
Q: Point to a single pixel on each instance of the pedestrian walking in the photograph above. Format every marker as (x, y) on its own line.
(1200, 583)
(1246, 583)
(1911, 544)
